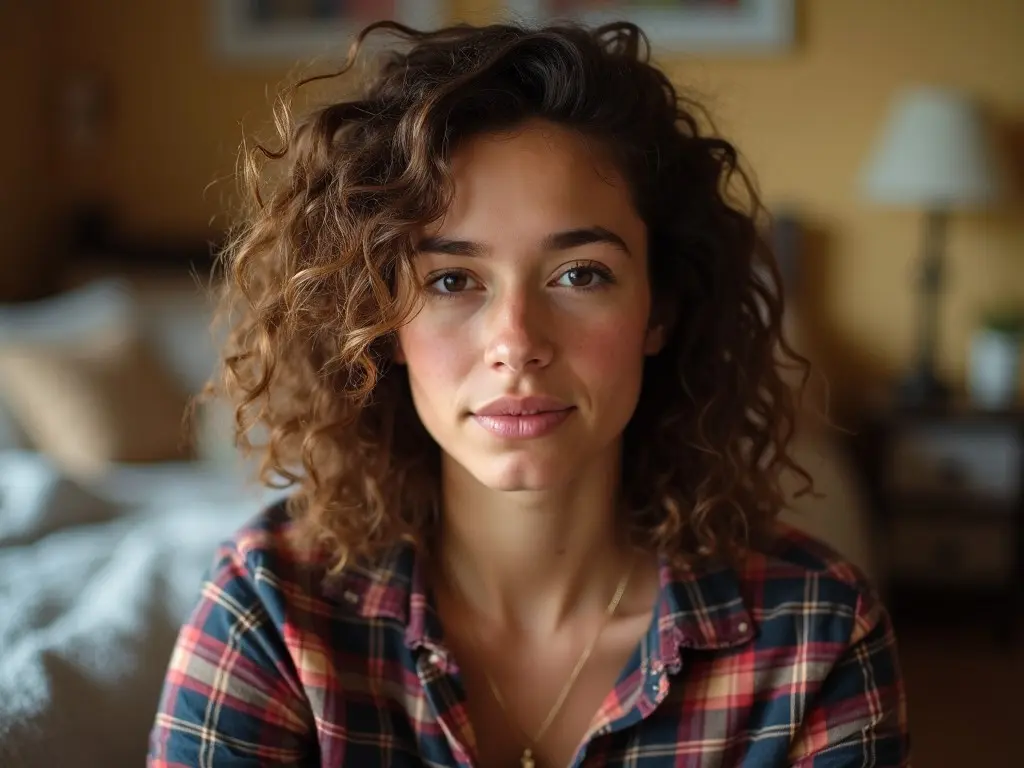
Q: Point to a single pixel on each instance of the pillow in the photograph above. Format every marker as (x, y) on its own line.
(74, 314)
(178, 317)
(84, 386)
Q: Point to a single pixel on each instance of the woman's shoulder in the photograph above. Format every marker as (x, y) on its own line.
(793, 571)
(263, 563)
(238, 675)
(266, 541)
(267, 561)
(790, 548)
(825, 649)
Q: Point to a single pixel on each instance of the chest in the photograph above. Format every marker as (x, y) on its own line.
(535, 707)
(422, 708)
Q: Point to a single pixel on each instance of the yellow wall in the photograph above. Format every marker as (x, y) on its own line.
(804, 119)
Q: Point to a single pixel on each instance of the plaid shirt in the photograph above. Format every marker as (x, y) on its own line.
(788, 661)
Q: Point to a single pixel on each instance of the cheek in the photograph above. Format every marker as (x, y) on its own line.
(436, 356)
(610, 353)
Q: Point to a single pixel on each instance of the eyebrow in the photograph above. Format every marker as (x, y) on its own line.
(558, 241)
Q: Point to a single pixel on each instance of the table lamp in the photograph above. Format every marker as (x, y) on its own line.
(933, 155)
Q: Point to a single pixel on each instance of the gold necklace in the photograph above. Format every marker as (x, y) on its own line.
(527, 760)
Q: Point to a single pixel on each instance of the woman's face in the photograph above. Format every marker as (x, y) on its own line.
(525, 356)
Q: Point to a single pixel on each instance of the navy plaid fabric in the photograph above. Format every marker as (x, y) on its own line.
(786, 660)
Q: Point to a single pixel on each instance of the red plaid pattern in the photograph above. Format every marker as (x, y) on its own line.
(788, 660)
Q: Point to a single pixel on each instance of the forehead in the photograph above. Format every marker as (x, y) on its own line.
(536, 179)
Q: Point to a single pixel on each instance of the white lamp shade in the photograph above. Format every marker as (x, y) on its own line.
(933, 153)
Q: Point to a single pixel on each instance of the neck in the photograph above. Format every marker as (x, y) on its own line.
(529, 561)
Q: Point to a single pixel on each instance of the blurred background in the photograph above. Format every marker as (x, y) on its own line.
(887, 139)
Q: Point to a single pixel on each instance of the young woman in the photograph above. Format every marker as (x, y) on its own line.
(517, 347)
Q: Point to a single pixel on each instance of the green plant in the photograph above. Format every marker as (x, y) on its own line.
(1008, 320)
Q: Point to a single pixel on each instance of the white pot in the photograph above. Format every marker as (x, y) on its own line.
(993, 369)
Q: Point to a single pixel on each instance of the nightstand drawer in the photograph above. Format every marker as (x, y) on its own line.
(935, 458)
(947, 552)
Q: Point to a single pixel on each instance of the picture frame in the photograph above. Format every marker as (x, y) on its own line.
(304, 29)
(699, 26)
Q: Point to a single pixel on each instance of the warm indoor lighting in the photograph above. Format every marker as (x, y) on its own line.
(933, 154)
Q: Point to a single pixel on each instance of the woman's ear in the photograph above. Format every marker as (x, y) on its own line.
(655, 340)
(663, 320)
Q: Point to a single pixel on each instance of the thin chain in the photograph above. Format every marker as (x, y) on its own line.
(533, 741)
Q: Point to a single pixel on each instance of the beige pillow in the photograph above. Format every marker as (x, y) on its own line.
(104, 398)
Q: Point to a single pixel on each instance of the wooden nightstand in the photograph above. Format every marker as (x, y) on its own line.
(947, 486)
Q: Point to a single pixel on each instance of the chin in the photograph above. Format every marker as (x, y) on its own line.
(518, 473)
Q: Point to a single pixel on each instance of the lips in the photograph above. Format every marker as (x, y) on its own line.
(522, 406)
(522, 417)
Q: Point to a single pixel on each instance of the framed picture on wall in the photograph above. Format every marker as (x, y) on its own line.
(299, 29)
(702, 26)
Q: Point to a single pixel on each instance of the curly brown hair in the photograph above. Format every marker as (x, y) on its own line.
(311, 274)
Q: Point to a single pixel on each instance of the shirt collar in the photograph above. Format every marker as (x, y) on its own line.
(701, 608)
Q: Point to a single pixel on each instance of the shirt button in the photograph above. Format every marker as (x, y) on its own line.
(351, 597)
(743, 626)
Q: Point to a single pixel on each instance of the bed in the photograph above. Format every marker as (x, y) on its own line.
(101, 557)
(94, 581)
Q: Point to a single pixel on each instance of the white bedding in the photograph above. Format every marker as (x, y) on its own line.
(94, 583)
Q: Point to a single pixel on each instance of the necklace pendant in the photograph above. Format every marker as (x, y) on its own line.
(527, 759)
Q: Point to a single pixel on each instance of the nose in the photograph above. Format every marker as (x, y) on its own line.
(518, 334)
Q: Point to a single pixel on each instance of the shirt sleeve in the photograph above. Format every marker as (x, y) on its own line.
(231, 696)
(859, 717)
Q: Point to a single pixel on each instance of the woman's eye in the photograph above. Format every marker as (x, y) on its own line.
(451, 282)
(582, 277)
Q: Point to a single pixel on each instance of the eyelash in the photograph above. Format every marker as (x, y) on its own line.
(605, 276)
